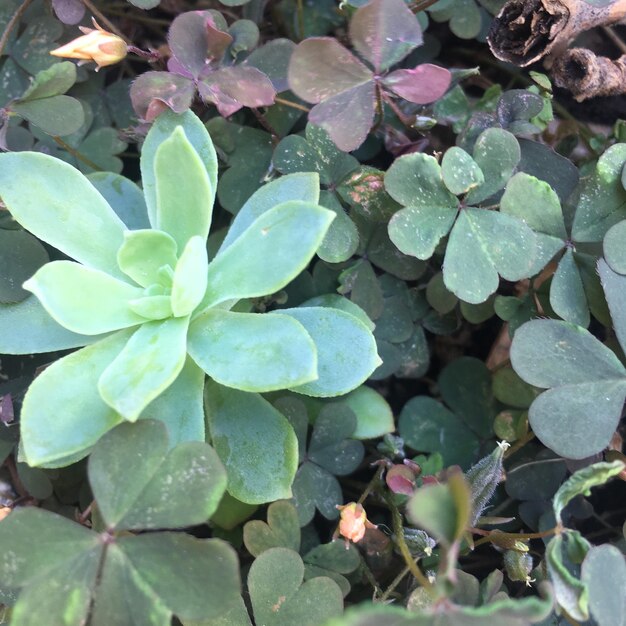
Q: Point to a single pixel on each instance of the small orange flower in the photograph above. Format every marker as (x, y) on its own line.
(96, 44)
(353, 522)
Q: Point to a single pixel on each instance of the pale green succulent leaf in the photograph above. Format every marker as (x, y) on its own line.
(184, 197)
(56, 203)
(63, 414)
(147, 366)
(272, 251)
(152, 307)
(251, 351)
(144, 252)
(346, 350)
(190, 277)
(84, 300)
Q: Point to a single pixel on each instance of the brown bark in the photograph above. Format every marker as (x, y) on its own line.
(526, 30)
(586, 75)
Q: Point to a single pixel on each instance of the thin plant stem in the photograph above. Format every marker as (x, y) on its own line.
(12, 23)
(518, 536)
(103, 19)
(394, 583)
(76, 154)
(293, 105)
(300, 10)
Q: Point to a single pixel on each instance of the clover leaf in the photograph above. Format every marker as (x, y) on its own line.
(157, 314)
(345, 90)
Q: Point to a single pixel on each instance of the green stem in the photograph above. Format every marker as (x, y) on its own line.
(76, 154)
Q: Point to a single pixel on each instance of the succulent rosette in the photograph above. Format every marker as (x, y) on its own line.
(152, 314)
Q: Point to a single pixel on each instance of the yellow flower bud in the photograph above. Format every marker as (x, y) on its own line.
(353, 522)
(97, 44)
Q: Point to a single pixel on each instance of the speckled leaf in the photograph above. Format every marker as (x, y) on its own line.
(567, 292)
(137, 482)
(615, 247)
(153, 92)
(32, 50)
(254, 441)
(614, 286)
(460, 172)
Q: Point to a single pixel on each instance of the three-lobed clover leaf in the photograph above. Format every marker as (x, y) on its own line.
(156, 313)
(345, 90)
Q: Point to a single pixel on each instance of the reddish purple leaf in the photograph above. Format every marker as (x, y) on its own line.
(7, 415)
(421, 85)
(152, 92)
(321, 68)
(348, 116)
(231, 88)
(69, 11)
(195, 41)
(401, 479)
(384, 32)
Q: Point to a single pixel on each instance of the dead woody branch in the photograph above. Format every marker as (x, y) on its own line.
(586, 75)
(527, 30)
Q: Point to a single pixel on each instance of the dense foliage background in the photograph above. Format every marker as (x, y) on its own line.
(478, 237)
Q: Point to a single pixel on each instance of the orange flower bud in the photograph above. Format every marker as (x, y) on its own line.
(353, 522)
(97, 44)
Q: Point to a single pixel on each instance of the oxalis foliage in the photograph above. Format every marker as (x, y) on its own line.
(305, 321)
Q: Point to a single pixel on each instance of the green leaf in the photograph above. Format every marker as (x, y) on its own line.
(136, 481)
(335, 301)
(443, 510)
(581, 483)
(27, 328)
(316, 488)
(587, 386)
(567, 292)
(384, 31)
(68, 390)
(57, 115)
(183, 190)
(280, 598)
(54, 81)
(496, 244)
(497, 153)
(460, 172)
(614, 286)
(190, 277)
(614, 247)
(144, 253)
(21, 255)
(254, 441)
(163, 127)
(374, 417)
(427, 426)
(303, 187)
(56, 203)
(84, 300)
(252, 351)
(282, 529)
(346, 350)
(147, 365)
(342, 239)
(604, 573)
(272, 251)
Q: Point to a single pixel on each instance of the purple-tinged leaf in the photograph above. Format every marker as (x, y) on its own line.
(231, 88)
(348, 116)
(195, 41)
(153, 92)
(7, 415)
(69, 11)
(273, 60)
(384, 32)
(422, 85)
(321, 67)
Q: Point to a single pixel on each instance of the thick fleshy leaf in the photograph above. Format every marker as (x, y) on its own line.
(195, 132)
(254, 441)
(152, 93)
(144, 252)
(147, 366)
(374, 417)
(272, 251)
(342, 238)
(567, 292)
(587, 386)
(233, 87)
(346, 350)
(384, 32)
(497, 153)
(614, 286)
(348, 116)
(190, 277)
(304, 187)
(183, 190)
(137, 482)
(124, 196)
(280, 598)
(27, 328)
(422, 85)
(55, 202)
(321, 67)
(615, 247)
(180, 406)
(251, 351)
(84, 300)
(63, 414)
(482, 245)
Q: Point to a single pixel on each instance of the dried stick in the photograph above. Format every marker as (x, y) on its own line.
(586, 75)
(526, 30)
